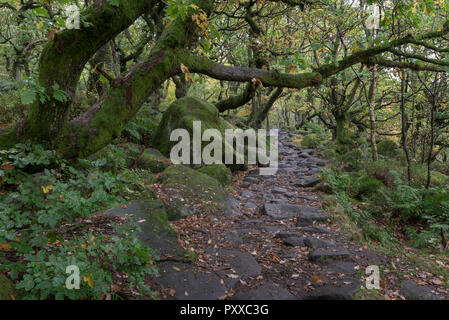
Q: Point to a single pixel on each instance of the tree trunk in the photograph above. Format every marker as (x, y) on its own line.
(371, 102)
(404, 128)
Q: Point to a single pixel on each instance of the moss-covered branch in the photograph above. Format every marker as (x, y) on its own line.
(238, 100)
(62, 62)
(102, 123)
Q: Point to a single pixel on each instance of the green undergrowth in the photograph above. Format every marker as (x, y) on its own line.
(379, 208)
(46, 224)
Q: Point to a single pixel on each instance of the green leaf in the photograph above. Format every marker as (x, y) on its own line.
(28, 96)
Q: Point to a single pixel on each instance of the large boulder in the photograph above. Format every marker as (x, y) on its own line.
(156, 231)
(153, 160)
(181, 114)
(219, 172)
(189, 192)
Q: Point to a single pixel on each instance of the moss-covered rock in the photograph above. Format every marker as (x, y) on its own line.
(190, 192)
(219, 172)
(7, 288)
(419, 176)
(156, 233)
(153, 160)
(181, 114)
(387, 148)
(366, 186)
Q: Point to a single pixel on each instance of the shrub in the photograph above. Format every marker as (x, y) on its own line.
(43, 228)
(337, 183)
(387, 148)
(367, 187)
(381, 170)
(311, 141)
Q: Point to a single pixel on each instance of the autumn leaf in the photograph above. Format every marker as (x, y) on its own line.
(51, 34)
(5, 247)
(186, 72)
(7, 166)
(47, 189)
(256, 83)
(89, 280)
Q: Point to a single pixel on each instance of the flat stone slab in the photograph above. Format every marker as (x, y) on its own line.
(279, 190)
(307, 183)
(322, 255)
(294, 242)
(254, 173)
(345, 267)
(315, 161)
(318, 243)
(232, 236)
(315, 229)
(251, 180)
(308, 216)
(242, 263)
(413, 291)
(189, 283)
(345, 291)
(282, 210)
(269, 291)
(306, 197)
(155, 234)
(246, 194)
(245, 232)
(284, 235)
(250, 206)
(271, 228)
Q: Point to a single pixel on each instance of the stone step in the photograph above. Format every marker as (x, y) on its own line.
(308, 215)
(269, 291)
(325, 254)
(294, 242)
(315, 229)
(413, 291)
(318, 243)
(189, 283)
(284, 235)
(307, 182)
(345, 290)
(281, 211)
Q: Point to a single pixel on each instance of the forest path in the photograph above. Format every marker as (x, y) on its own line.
(281, 247)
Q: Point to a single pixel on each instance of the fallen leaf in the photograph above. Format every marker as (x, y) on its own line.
(5, 247)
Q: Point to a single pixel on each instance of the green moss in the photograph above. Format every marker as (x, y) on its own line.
(157, 215)
(419, 176)
(189, 192)
(181, 114)
(153, 160)
(219, 172)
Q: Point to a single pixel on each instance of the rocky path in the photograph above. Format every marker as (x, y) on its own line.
(281, 246)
